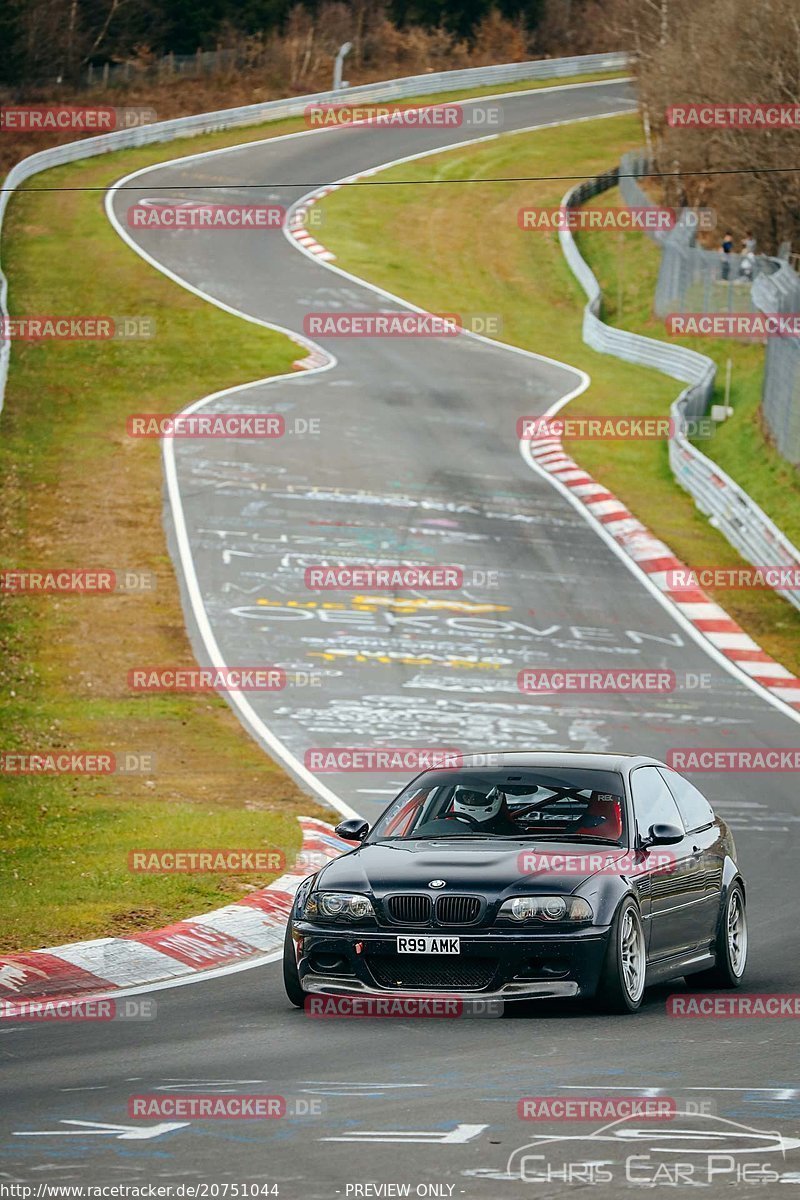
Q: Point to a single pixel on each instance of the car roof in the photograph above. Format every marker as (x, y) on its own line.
(590, 760)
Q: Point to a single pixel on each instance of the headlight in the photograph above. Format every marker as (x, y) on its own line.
(338, 906)
(547, 908)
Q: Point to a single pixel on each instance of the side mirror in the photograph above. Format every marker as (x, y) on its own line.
(664, 835)
(353, 830)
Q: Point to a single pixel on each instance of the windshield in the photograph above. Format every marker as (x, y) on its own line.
(533, 804)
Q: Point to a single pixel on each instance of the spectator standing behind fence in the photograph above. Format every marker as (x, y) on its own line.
(747, 265)
(726, 249)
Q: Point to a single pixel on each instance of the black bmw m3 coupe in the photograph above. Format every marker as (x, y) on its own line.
(538, 876)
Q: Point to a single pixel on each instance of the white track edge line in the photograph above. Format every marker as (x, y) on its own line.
(236, 699)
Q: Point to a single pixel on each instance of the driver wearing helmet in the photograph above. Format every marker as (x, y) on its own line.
(487, 812)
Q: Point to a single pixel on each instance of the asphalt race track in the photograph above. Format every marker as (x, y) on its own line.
(417, 460)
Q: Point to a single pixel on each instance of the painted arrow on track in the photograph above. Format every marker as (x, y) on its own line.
(125, 1133)
(461, 1133)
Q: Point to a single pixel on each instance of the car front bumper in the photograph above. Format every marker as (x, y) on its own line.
(492, 964)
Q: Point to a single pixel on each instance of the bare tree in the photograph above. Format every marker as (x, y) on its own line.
(56, 38)
(721, 52)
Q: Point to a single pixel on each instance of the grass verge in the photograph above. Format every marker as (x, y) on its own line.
(76, 492)
(459, 249)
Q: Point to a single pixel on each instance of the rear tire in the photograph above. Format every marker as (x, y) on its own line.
(730, 948)
(622, 978)
(291, 977)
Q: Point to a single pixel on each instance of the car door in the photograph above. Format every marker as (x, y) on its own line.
(677, 890)
(703, 830)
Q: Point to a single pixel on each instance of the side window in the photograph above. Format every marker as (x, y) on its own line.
(693, 806)
(652, 801)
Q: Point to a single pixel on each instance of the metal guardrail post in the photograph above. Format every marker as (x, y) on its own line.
(338, 65)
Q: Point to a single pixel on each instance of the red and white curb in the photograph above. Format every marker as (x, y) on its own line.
(313, 360)
(298, 227)
(657, 561)
(247, 928)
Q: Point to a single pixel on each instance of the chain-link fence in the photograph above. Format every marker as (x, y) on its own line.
(248, 56)
(194, 66)
(780, 293)
(746, 526)
(692, 278)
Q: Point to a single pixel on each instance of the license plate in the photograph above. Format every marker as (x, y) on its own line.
(428, 945)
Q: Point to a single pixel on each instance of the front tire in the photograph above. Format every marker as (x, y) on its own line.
(291, 977)
(730, 948)
(622, 979)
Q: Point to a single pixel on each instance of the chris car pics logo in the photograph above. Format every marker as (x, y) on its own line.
(685, 1148)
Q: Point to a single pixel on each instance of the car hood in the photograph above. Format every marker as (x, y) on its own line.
(485, 867)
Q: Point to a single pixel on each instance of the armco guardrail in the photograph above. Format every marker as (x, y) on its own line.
(632, 166)
(746, 526)
(276, 110)
(686, 365)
